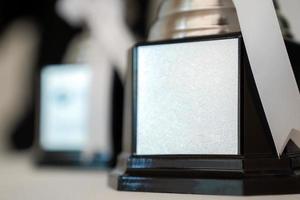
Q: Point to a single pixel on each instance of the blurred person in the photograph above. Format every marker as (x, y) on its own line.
(54, 35)
(106, 52)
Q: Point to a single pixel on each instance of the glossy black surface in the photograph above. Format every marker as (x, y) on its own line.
(71, 159)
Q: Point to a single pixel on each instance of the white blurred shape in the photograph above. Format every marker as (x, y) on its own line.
(109, 43)
(64, 107)
(105, 20)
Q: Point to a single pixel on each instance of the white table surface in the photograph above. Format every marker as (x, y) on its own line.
(20, 180)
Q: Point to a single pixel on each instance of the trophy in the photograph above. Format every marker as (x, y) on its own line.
(195, 122)
(62, 120)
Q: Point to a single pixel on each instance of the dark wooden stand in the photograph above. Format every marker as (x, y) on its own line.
(256, 171)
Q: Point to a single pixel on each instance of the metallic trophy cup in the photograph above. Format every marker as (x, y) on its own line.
(190, 18)
(186, 18)
(195, 123)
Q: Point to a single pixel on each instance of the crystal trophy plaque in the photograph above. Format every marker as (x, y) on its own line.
(195, 122)
(62, 119)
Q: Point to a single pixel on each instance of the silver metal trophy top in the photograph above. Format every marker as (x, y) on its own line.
(187, 18)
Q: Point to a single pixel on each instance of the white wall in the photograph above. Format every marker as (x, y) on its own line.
(291, 10)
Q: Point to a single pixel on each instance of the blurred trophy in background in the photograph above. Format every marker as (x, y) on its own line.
(89, 132)
(194, 119)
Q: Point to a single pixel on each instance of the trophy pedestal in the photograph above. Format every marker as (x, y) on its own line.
(254, 170)
(208, 175)
(72, 159)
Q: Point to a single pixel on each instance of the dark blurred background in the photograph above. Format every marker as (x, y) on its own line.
(52, 37)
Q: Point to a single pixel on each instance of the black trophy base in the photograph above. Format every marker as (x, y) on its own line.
(72, 159)
(257, 170)
(259, 185)
(224, 176)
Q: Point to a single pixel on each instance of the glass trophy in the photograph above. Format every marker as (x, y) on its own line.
(194, 120)
(62, 119)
